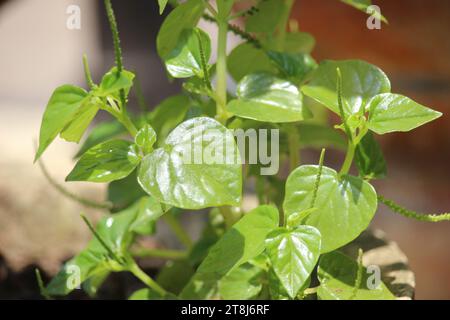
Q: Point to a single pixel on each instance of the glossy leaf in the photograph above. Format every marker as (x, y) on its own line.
(117, 233)
(148, 210)
(108, 161)
(77, 127)
(113, 81)
(263, 97)
(266, 19)
(360, 82)
(197, 167)
(299, 42)
(63, 106)
(276, 288)
(345, 205)
(369, 158)
(167, 115)
(293, 254)
(337, 276)
(246, 59)
(293, 66)
(184, 16)
(100, 133)
(243, 242)
(186, 59)
(394, 112)
(162, 5)
(145, 138)
(242, 283)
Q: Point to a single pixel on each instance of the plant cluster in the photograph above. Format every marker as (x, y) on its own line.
(288, 246)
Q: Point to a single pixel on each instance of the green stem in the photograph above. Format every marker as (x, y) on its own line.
(159, 253)
(141, 275)
(286, 13)
(359, 274)
(127, 123)
(87, 73)
(178, 230)
(348, 159)
(221, 89)
(294, 147)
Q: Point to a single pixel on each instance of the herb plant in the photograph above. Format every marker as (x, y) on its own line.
(288, 246)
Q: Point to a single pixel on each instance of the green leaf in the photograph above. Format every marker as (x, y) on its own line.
(145, 138)
(337, 275)
(263, 97)
(76, 128)
(101, 133)
(242, 283)
(63, 106)
(148, 211)
(362, 5)
(369, 158)
(184, 16)
(150, 294)
(266, 19)
(360, 82)
(246, 59)
(243, 242)
(276, 288)
(347, 202)
(394, 112)
(94, 261)
(315, 135)
(162, 5)
(122, 193)
(186, 59)
(293, 254)
(293, 66)
(108, 161)
(113, 81)
(198, 166)
(168, 114)
(175, 275)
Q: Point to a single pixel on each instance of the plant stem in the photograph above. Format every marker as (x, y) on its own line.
(87, 73)
(294, 147)
(348, 159)
(178, 230)
(141, 275)
(286, 13)
(159, 253)
(221, 89)
(127, 123)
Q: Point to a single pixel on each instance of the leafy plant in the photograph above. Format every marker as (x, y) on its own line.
(288, 244)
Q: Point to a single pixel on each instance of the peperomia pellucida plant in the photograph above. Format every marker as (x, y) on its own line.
(288, 246)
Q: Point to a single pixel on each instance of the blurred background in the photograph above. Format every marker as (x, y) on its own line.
(38, 227)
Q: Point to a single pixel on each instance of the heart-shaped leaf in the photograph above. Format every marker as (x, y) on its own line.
(145, 138)
(197, 167)
(76, 128)
(184, 16)
(243, 242)
(63, 106)
(114, 81)
(360, 82)
(393, 112)
(193, 50)
(337, 275)
(266, 18)
(345, 205)
(264, 97)
(293, 66)
(108, 161)
(293, 254)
